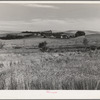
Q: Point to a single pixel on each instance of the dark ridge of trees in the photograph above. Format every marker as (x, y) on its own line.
(11, 36)
(26, 32)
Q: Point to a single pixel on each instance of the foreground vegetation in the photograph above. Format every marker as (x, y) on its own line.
(71, 70)
(27, 64)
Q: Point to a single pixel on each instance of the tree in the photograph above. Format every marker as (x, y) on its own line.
(79, 33)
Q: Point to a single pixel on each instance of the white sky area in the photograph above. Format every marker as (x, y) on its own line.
(37, 17)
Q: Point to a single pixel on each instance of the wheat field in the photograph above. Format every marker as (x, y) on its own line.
(50, 71)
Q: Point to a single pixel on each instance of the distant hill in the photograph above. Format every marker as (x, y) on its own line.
(91, 35)
(53, 31)
(6, 32)
(93, 39)
(86, 31)
(92, 32)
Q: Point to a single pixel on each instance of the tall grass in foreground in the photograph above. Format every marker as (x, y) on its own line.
(50, 71)
(74, 84)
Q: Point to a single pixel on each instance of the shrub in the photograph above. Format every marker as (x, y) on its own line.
(43, 46)
(92, 47)
(85, 43)
(1, 45)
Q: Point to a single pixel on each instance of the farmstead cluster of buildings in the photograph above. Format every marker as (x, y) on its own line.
(43, 34)
(52, 34)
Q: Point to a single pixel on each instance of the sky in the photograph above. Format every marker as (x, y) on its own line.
(48, 16)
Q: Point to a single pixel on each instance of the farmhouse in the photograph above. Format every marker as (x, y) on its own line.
(57, 35)
(64, 36)
(46, 33)
(67, 35)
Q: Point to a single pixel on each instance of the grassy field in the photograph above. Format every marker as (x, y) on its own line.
(72, 70)
(49, 71)
(93, 39)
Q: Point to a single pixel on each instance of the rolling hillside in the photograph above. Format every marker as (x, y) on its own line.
(91, 35)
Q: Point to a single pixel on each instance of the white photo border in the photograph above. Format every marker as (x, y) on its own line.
(50, 94)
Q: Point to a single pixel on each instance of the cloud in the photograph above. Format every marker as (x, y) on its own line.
(34, 24)
(48, 21)
(40, 5)
(51, 24)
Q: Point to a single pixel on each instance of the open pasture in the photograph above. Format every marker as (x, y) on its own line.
(92, 39)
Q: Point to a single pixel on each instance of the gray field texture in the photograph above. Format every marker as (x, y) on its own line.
(23, 66)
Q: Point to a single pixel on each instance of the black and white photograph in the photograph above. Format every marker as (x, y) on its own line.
(49, 46)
